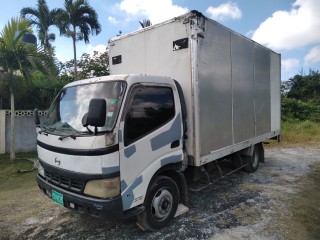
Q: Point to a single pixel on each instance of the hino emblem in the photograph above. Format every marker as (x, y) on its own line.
(57, 161)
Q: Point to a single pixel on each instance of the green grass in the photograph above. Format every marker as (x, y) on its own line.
(10, 179)
(20, 196)
(299, 133)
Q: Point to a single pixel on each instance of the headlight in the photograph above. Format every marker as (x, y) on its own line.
(40, 169)
(103, 188)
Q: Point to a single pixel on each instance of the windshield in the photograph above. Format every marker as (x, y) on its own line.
(66, 112)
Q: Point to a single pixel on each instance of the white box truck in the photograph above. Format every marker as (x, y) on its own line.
(182, 94)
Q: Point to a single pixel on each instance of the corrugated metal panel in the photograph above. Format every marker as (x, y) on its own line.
(242, 56)
(215, 89)
(262, 89)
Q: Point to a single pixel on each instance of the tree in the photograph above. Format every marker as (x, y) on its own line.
(94, 66)
(42, 18)
(305, 87)
(77, 21)
(301, 97)
(145, 23)
(66, 71)
(89, 66)
(18, 60)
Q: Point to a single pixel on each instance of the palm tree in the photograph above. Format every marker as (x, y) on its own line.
(77, 21)
(42, 18)
(18, 60)
(145, 23)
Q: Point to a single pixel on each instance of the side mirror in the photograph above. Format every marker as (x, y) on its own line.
(36, 117)
(96, 115)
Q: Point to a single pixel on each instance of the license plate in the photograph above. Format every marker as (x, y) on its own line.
(57, 197)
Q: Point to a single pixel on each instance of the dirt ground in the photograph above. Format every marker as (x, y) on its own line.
(240, 206)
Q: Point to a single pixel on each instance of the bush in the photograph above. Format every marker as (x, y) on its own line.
(296, 109)
(39, 93)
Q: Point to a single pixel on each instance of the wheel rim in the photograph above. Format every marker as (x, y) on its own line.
(162, 204)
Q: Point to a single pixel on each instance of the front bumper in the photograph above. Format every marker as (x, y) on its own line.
(105, 208)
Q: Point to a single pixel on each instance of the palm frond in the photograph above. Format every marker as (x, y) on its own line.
(42, 18)
(16, 56)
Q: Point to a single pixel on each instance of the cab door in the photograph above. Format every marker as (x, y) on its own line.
(150, 137)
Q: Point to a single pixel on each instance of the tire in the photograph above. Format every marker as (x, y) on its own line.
(253, 161)
(161, 204)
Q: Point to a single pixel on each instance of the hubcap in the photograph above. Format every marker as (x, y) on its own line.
(162, 204)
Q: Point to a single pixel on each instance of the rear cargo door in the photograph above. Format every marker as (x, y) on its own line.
(150, 137)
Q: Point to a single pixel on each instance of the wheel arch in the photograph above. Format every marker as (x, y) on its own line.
(172, 171)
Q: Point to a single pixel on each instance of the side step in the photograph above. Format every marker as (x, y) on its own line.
(181, 210)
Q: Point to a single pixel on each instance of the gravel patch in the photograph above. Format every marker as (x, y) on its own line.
(240, 206)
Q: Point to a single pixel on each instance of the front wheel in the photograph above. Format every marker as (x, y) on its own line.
(161, 204)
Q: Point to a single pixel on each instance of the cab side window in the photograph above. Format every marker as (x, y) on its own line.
(150, 108)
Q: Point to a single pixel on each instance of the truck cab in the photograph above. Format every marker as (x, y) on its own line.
(106, 141)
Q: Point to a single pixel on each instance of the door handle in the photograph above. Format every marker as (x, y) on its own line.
(175, 144)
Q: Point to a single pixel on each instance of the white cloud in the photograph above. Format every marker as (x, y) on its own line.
(65, 55)
(100, 48)
(291, 29)
(154, 10)
(113, 20)
(289, 64)
(225, 11)
(313, 56)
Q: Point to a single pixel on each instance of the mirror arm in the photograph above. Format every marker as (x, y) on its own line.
(89, 130)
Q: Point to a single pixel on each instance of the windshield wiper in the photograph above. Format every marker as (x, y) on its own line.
(44, 130)
(73, 136)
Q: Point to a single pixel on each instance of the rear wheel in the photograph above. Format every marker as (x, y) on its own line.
(253, 161)
(161, 204)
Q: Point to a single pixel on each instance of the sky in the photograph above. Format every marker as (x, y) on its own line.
(288, 27)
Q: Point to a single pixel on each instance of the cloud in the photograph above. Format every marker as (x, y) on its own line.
(113, 20)
(154, 10)
(313, 56)
(289, 64)
(100, 48)
(291, 29)
(225, 11)
(64, 55)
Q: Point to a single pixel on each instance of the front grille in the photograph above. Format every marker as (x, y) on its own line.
(63, 182)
